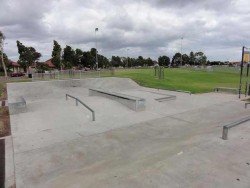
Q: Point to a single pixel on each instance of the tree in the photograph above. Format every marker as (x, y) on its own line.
(103, 61)
(87, 60)
(27, 55)
(200, 58)
(68, 57)
(149, 62)
(2, 37)
(191, 58)
(5, 61)
(164, 60)
(78, 57)
(116, 61)
(56, 55)
(176, 60)
(140, 61)
(185, 59)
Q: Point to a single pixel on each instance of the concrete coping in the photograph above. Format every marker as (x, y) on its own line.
(134, 103)
(231, 125)
(224, 89)
(246, 104)
(120, 95)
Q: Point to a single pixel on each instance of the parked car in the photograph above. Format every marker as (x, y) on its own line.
(17, 74)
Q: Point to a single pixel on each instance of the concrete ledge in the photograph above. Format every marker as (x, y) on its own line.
(17, 106)
(134, 103)
(231, 125)
(246, 104)
(226, 90)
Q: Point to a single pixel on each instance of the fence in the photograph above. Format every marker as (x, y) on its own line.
(71, 74)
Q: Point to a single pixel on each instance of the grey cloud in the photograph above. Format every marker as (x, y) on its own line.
(147, 27)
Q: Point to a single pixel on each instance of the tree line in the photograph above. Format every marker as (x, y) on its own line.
(67, 58)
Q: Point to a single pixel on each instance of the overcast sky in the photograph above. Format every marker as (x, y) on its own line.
(144, 27)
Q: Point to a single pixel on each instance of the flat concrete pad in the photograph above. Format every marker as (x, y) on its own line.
(173, 143)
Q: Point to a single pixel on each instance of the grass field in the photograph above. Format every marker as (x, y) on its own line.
(196, 81)
(189, 79)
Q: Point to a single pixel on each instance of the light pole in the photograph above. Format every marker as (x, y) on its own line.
(96, 59)
(127, 57)
(2, 43)
(181, 50)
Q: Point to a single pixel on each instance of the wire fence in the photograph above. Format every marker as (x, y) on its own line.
(71, 74)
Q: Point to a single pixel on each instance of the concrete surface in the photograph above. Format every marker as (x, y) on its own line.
(134, 103)
(9, 163)
(174, 143)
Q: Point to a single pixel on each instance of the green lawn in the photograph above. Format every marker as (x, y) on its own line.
(189, 79)
(196, 81)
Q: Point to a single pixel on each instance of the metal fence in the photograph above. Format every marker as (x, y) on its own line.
(71, 74)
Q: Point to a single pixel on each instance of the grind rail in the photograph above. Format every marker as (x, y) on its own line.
(78, 100)
(231, 125)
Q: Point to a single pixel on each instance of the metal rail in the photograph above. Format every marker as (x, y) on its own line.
(231, 125)
(183, 91)
(226, 90)
(77, 100)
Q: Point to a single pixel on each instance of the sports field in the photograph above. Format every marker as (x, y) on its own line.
(189, 79)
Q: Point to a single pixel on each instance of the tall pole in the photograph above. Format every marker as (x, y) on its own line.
(4, 67)
(127, 57)
(181, 50)
(96, 59)
(61, 59)
(241, 70)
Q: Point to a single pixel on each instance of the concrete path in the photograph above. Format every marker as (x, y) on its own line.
(173, 143)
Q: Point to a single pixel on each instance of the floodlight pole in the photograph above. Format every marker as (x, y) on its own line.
(181, 50)
(241, 70)
(127, 57)
(96, 59)
(61, 60)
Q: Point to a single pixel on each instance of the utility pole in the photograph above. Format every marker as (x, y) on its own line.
(2, 59)
(181, 50)
(96, 58)
(127, 57)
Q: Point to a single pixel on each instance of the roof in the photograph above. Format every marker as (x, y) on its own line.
(49, 63)
(14, 64)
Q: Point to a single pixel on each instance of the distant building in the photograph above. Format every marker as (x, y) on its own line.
(15, 67)
(49, 64)
(234, 63)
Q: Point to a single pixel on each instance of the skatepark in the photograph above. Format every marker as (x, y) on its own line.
(139, 137)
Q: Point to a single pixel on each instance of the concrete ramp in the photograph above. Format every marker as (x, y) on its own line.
(117, 84)
(56, 89)
(56, 144)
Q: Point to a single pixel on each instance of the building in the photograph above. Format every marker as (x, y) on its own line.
(15, 67)
(49, 64)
